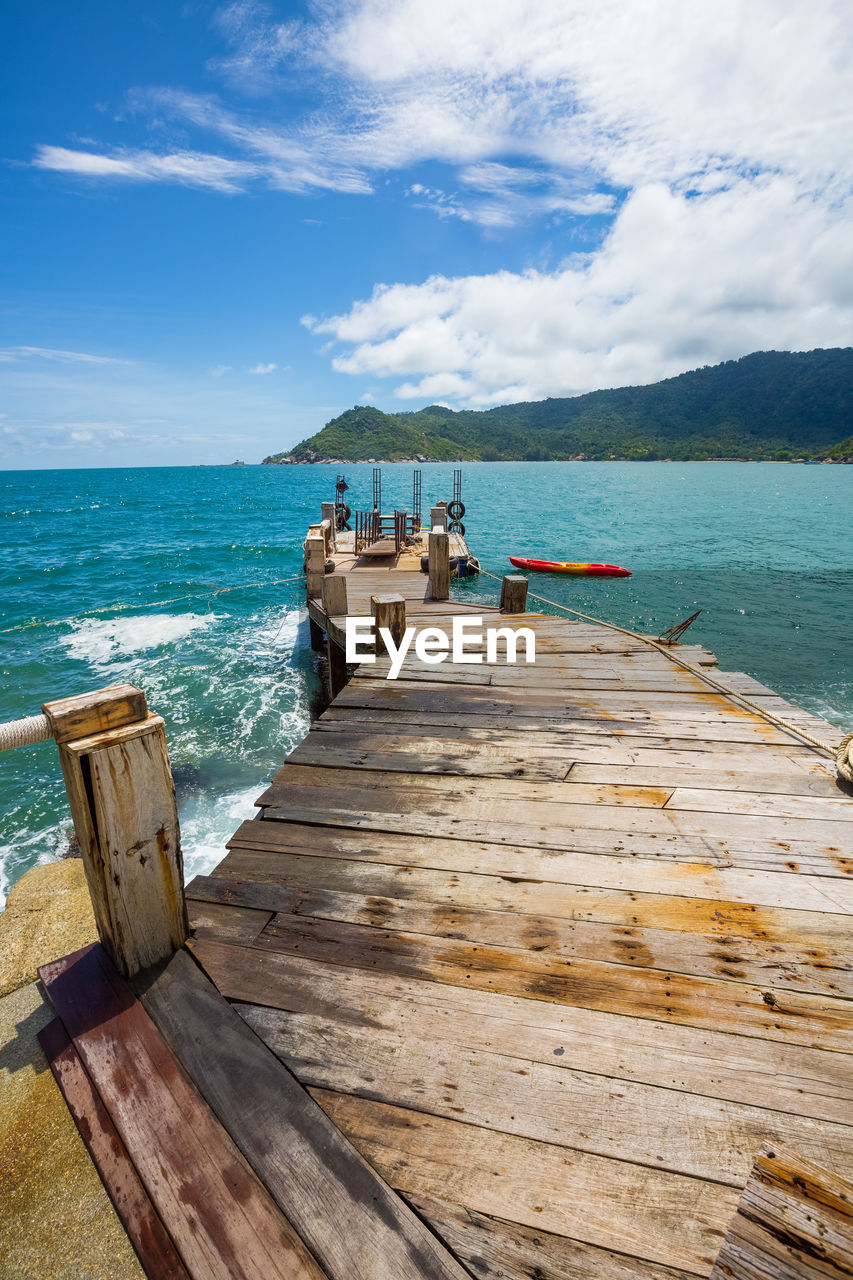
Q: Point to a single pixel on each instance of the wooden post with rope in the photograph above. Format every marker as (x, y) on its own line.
(119, 782)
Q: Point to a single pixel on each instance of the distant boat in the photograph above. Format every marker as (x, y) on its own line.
(580, 569)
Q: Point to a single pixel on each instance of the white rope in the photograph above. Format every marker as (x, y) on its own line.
(840, 754)
(844, 758)
(23, 733)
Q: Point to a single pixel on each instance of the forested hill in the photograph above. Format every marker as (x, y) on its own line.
(772, 404)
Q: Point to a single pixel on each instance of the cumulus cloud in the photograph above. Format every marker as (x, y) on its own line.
(264, 368)
(680, 281)
(702, 149)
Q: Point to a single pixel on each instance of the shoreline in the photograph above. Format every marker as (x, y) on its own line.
(409, 462)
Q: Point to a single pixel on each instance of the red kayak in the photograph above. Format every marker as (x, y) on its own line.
(579, 568)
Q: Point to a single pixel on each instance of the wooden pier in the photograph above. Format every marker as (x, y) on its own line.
(544, 955)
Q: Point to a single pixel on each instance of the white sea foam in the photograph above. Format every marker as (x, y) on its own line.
(235, 694)
(206, 823)
(100, 641)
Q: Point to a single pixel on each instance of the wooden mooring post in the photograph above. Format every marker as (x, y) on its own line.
(335, 605)
(328, 513)
(513, 593)
(119, 783)
(439, 564)
(389, 612)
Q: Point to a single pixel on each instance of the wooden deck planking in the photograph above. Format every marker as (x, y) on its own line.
(557, 947)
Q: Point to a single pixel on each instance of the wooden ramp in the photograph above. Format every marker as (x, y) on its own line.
(557, 947)
(219, 1164)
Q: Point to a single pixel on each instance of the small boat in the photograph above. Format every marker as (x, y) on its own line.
(580, 568)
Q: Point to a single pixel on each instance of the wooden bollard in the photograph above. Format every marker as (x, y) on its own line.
(335, 605)
(119, 783)
(389, 612)
(335, 594)
(439, 564)
(328, 513)
(315, 565)
(513, 593)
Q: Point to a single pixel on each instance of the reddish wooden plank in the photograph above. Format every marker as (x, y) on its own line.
(223, 1221)
(152, 1242)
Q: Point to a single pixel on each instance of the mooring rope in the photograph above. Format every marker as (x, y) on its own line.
(844, 759)
(151, 604)
(25, 732)
(840, 754)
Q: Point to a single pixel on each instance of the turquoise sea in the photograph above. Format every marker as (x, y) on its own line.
(765, 550)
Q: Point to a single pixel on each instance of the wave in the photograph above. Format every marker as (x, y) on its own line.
(100, 641)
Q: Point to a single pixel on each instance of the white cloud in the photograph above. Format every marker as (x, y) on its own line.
(609, 95)
(186, 168)
(218, 370)
(264, 368)
(708, 144)
(680, 281)
(14, 355)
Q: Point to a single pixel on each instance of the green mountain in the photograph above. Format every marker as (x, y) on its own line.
(772, 404)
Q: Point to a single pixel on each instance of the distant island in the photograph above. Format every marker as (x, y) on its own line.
(783, 406)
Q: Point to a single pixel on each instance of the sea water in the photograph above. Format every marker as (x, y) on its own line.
(187, 582)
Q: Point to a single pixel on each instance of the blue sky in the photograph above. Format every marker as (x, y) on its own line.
(222, 224)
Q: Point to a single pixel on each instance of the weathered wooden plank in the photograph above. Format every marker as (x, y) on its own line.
(495, 1249)
(549, 1102)
(618, 889)
(743, 734)
(295, 777)
(788, 1078)
(643, 1212)
(824, 800)
(153, 1244)
(749, 843)
(85, 714)
(232, 922)
(619, 747)
(723, 1005)
(343, 747)
(794, 1222)
(366, 751)
(828, 809)
(340, 891)
(352, 1223)
(817, 782)
(223, 1222)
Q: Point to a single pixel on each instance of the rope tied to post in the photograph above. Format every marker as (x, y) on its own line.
(841, 753)
(25, 732)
